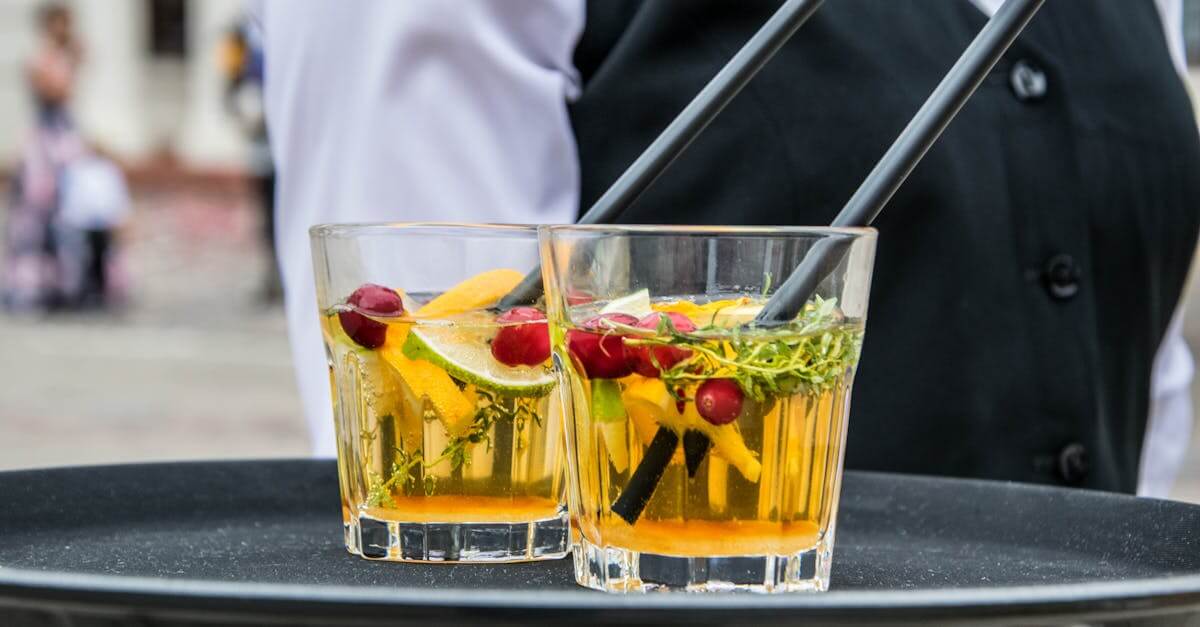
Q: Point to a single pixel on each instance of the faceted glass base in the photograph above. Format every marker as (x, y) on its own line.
(458, 542)
(613, 569)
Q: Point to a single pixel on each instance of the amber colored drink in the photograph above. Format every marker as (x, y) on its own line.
(774, 499)
(429, 450)
(751, 463)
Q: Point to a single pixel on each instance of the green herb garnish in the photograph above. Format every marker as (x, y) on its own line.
(490, 409)
(401, 473)
(811, 353)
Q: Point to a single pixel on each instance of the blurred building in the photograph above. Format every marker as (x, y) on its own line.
(150, 85)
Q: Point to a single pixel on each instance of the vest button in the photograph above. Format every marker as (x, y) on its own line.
(1028, 81)
(1061, 275)
(1073, 463)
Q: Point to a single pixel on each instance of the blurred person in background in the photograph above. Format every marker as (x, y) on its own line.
(94, 205)
(242, 64)
(1026, 297)
(32, 273)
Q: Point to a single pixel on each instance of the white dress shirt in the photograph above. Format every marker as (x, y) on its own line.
(457, 111)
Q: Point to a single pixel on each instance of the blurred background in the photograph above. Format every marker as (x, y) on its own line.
(144, 323)
(184, 355)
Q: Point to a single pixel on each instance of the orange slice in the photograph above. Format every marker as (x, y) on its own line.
(649, 399)
(702, 315)
(477, 292)
(429, 383)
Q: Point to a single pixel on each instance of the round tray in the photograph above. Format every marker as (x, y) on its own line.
(261, 541)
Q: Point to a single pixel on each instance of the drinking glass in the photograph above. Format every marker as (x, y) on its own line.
(449, 438)
(704, 450)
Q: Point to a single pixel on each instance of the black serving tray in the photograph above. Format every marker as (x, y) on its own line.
(260, 542)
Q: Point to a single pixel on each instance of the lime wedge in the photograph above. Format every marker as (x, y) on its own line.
(636, 304)
(465, 355)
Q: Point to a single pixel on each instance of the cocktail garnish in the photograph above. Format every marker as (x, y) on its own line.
(525, 344)
(732, 369)
(429, 383)
(473, 294)
(402, 476)
(711, 313)
(464, 353)
(606, 403)
(609, 411)
(369, 300)
(599, 348)
(719, 401)
(649, 361)
(636, 304)
(489, 410)
(649, 399)
(811, 351)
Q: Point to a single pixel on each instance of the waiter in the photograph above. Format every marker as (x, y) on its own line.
(1028, 271)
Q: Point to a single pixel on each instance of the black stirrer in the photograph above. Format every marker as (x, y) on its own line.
(879, 186)
(686, 126)
(904, 155)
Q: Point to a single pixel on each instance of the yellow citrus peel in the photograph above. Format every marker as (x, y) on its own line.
(648, 400)
(429, 383)
(477, 292)
(709, 313)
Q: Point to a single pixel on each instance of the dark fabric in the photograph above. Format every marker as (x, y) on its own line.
(1026, 271)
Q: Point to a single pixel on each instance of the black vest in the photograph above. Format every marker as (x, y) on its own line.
(1026, 271)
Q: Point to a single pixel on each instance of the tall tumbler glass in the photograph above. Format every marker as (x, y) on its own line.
(448, 434)
(704, 450)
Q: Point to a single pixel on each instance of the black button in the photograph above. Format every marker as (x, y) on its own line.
(1073, 463)
(1028, 81)
(1061, 275)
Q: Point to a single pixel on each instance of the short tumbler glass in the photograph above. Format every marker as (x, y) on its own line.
(449, 437)
(704, 450)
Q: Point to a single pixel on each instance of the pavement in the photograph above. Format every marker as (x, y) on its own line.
(196, 368)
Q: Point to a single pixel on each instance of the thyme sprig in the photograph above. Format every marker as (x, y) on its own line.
(809, 354)
(401, 473)
(490, 409)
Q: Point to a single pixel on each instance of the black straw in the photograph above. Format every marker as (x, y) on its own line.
(904, 155)
(645, 477)
(695, 448)
(690, 122)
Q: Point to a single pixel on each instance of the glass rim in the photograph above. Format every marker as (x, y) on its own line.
(703, 229)
(355, 229)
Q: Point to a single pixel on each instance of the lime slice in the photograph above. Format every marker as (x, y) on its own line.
(636, 304)
(465, 355)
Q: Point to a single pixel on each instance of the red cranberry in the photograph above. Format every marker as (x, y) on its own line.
(373, 300)
(522, 344)
(719, 401)
(643, 358)
(601, 353)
